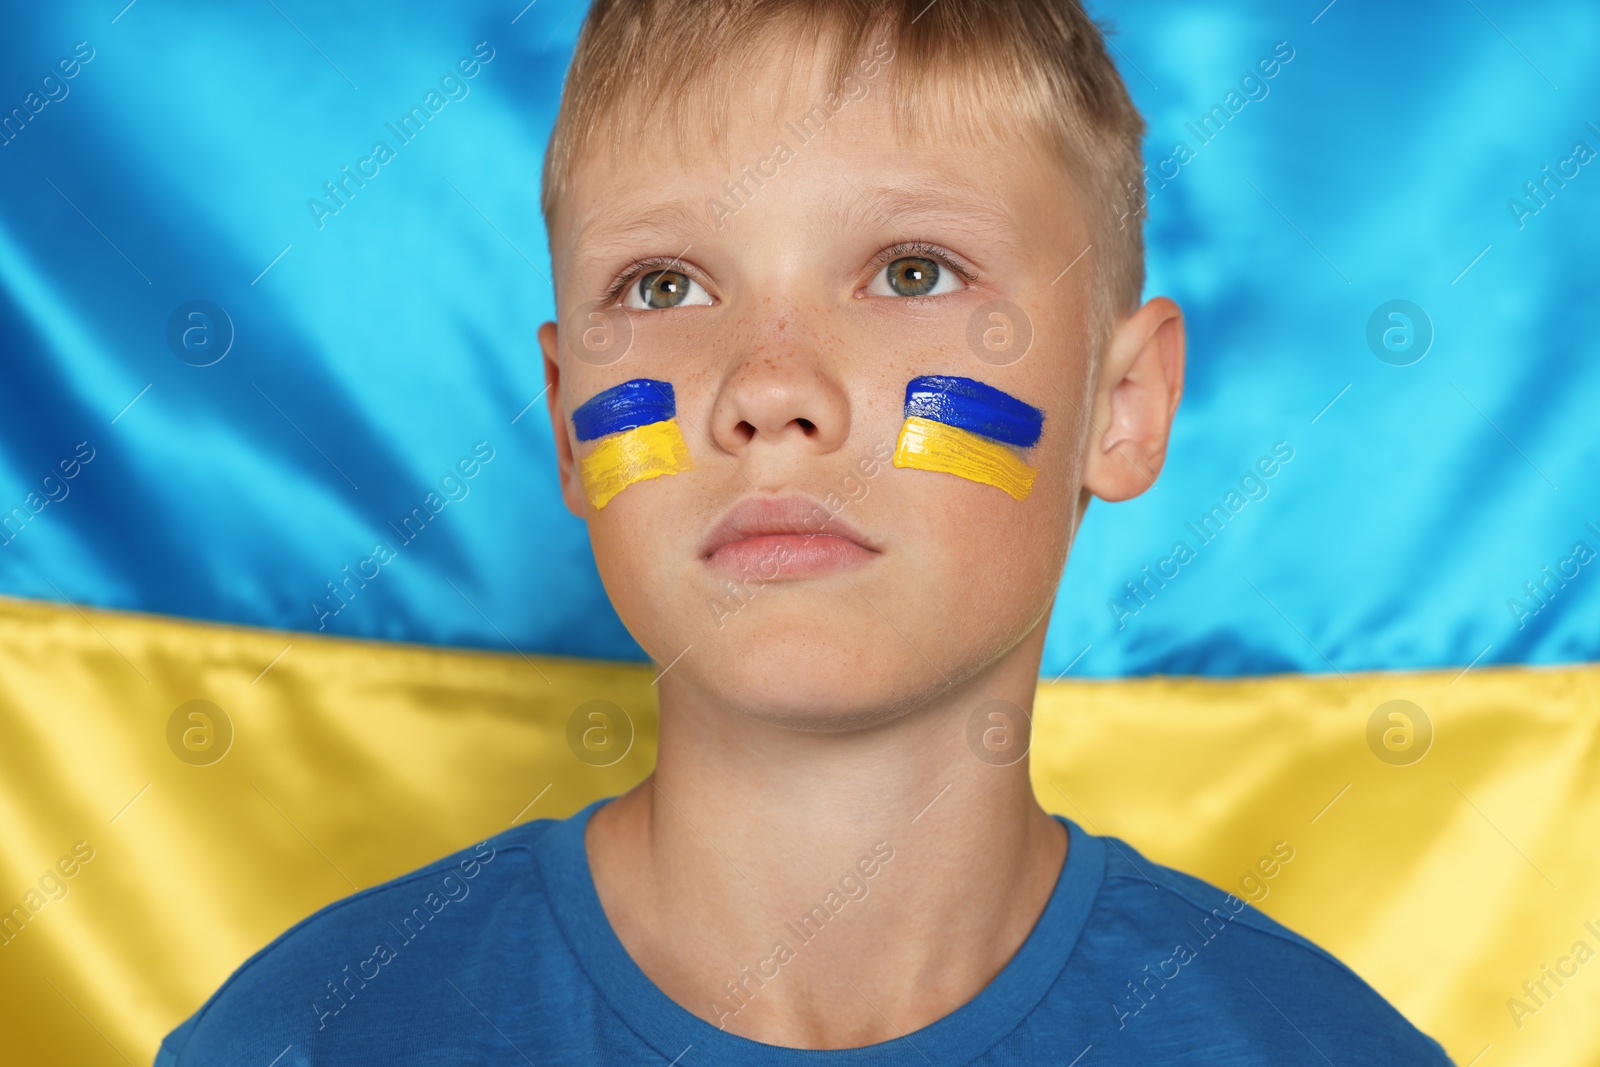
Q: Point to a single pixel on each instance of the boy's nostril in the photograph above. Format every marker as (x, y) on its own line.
(745, 431)
(806, 426)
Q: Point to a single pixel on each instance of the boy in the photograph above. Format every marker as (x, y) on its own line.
(849, 334)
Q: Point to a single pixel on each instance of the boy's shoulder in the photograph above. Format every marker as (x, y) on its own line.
(1171, 955)
(1139, 889)
(305, 978)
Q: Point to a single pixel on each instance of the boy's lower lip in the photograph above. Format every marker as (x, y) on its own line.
(779, 556)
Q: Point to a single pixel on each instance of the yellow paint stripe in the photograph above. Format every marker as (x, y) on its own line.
(932, 446)
(632, 456)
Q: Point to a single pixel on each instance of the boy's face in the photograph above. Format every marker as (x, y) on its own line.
(800, 575)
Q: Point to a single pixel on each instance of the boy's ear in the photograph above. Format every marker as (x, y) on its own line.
(1135, 398)
(566, 465)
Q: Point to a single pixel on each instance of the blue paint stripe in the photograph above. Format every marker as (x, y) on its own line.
(632, 404)
(974, 406)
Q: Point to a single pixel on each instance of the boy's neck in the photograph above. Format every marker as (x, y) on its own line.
(746, 828)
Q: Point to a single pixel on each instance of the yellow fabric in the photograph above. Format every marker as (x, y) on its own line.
(926, 445)
(635, 455)
(1446, 884)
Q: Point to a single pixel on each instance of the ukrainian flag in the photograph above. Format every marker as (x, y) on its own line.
(256, 370)
(964, 427)
(637, 426)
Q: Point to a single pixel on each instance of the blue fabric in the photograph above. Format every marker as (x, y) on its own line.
(381, 330)
(625, 406)
(502, 954)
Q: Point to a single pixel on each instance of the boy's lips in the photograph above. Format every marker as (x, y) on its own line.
(776, 537)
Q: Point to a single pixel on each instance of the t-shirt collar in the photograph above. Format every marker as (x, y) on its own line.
(670, 1029)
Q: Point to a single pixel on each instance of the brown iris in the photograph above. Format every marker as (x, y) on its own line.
(913, 276)
(663, 288)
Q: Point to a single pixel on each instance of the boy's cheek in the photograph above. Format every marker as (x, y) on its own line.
(794, 647)
(635, 458)
(954, 548)
(628, 435)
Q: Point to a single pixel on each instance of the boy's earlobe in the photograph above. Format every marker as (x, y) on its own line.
(1140, 383)
(566, 465)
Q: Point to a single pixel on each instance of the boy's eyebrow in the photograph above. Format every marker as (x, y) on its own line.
(609, 231)
(931, 200)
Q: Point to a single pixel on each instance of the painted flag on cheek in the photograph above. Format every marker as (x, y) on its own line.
(969, 429)
(637, 427)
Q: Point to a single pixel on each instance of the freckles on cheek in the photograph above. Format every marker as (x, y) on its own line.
(636, 426)
(971, 430)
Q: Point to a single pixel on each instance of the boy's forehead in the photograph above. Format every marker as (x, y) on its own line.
(775, 113)
(858, 168)
(904, 194)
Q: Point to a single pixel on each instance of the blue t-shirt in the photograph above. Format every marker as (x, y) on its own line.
(502, 954)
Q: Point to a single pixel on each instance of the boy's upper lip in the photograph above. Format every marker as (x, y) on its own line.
(771, 516)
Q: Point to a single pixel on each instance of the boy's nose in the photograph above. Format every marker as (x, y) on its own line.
(780, 398)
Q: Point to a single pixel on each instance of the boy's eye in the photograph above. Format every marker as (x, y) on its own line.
(914, 276)
(661, 289)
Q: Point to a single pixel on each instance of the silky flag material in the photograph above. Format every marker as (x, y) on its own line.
(1447, 864)
(301, 399)
(221, 396)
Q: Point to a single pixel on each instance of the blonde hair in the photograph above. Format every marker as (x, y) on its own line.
(1040, 66)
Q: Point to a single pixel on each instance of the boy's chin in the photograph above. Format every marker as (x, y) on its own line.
(809, 675)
